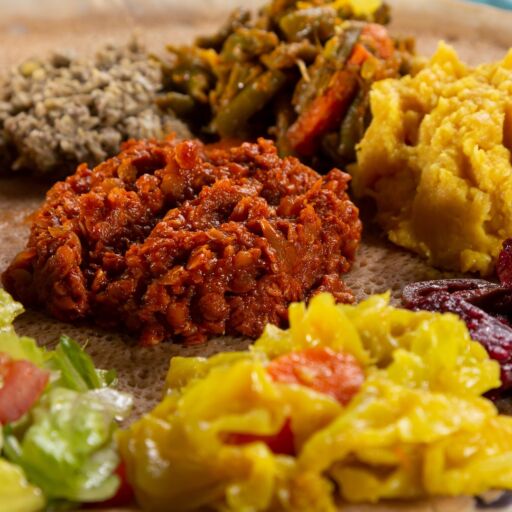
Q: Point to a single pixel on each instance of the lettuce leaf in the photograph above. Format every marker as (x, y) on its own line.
(25, 348)
(76, 368)
(65, 444)
(10, 343)
(9, 310)
(69, 449)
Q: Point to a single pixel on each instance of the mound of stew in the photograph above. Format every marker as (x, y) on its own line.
(179, 240)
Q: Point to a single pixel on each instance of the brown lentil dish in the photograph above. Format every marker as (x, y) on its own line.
(176, 239)
(58, 112)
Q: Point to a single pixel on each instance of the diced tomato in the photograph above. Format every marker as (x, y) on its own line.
(280, 443)
(336, 374)
(125, 494)
(324, 114)
(21, 385)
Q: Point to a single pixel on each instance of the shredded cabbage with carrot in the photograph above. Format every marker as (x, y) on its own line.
(418, 426)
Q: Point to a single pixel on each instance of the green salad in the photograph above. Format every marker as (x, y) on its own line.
(58, 416)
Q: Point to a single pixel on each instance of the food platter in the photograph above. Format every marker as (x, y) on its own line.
(480, 34)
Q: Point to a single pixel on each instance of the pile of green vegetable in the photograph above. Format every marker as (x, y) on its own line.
(58, 416)
(298, 71)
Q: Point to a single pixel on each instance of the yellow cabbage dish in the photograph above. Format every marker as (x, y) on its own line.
(437, 160)
(417, 427)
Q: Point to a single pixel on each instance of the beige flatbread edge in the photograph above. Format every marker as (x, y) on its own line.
(477, 32)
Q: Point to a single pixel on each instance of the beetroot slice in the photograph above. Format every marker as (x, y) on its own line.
(485, 307)
(504, 264)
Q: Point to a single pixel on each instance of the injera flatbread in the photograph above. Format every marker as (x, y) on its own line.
(479, 33)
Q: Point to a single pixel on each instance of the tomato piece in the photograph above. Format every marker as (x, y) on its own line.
(22, 383)
(281, 443)
(324, 114)
(125, 494)
(336, 374)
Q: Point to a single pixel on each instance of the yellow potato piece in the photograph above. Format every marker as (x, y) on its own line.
(437, 160)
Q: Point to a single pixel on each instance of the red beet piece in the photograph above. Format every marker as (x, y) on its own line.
(484, 306)
(504, 264)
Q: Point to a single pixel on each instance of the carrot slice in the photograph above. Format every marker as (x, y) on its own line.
(336, 374)
(324, 114)
(359, 55)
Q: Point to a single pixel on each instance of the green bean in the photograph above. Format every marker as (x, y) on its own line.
(336, 52)
(319, 76)
(340, 47)
(353, 127)
(334, 56)
(285, 116)
(316, 24)
(192, 82)
(189, 71)
(198, 85)
(238, 18)
(382, 15)
(287, 55)
(192, 56)
(232, 119)
(239, 76)
(246, 43)
(180, 104)
(278, 8)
